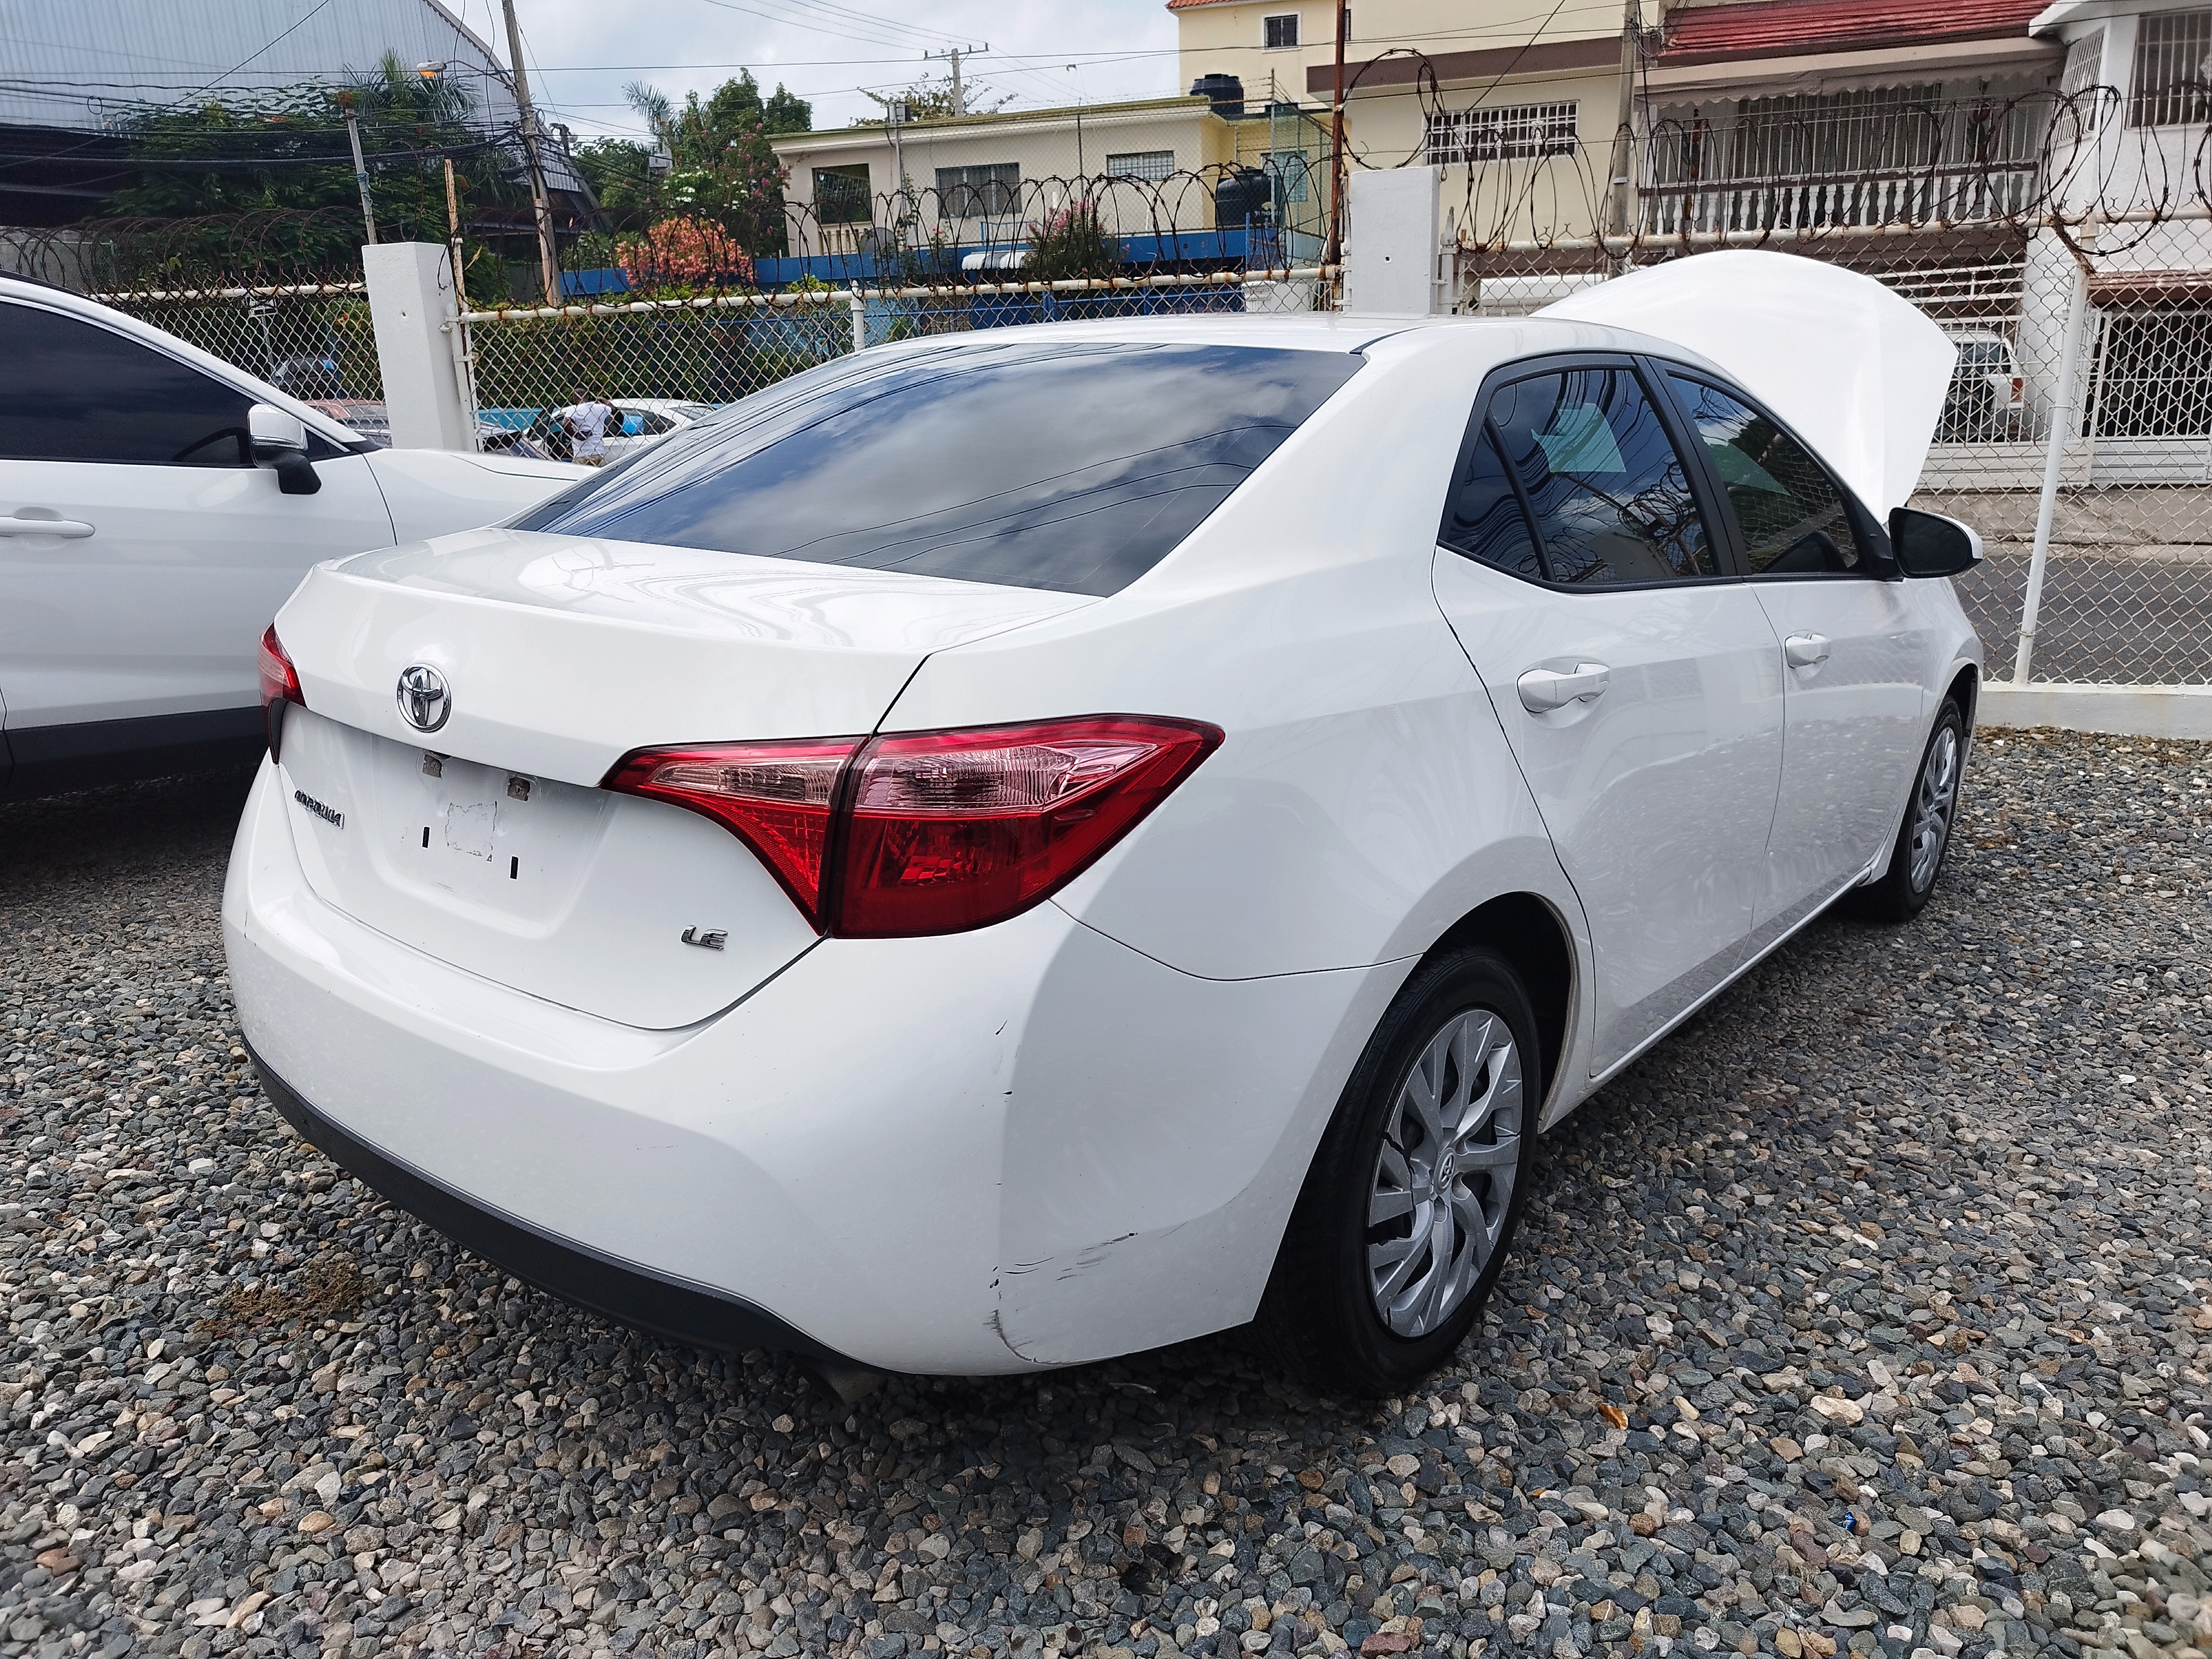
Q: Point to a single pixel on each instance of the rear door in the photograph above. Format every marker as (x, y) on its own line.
(1853, 652)
(1636, 677)
(141, 552)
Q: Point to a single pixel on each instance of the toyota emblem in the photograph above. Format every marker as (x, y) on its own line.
(424, 702)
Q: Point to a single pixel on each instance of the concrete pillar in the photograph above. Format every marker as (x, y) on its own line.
(410, 302)
(1390, 244)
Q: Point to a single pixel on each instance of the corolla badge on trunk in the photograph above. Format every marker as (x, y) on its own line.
(424, 702)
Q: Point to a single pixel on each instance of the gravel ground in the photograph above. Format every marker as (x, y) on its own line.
(1870, 1312)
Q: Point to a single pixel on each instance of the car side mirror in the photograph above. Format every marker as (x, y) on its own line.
(280, 443)
(1929, 545)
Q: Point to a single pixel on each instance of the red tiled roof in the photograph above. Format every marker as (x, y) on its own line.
(1185, 5)
(1797, 28)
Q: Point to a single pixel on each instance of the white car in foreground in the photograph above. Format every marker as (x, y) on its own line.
(1006, 850)
(156, 505)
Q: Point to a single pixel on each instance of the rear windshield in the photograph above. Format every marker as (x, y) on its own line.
(1031, 464)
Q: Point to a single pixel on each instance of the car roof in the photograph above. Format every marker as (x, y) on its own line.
(48, 297)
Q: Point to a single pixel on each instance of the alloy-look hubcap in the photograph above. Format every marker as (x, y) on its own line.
(1443, 1179)
(1932, 808)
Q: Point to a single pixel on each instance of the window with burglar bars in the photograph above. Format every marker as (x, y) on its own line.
(987, 191)
(2171, 85)
(1153, 164)
(1281, 31)
(1518, 132)
(841, 195)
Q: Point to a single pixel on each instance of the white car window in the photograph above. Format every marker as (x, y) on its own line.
(1790, 511)
(1573, 480)
(80, 393)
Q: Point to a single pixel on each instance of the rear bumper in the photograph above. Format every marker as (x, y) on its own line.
(575, 1273)
(970, 1154)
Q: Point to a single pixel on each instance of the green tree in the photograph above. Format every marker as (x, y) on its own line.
(930, 99)
(288, 154)
(720, 165)
(285, 154)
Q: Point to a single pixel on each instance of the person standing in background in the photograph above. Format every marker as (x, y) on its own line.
(585, 421)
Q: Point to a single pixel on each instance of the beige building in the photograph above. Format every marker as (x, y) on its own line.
(1744, 115)
(981, 179)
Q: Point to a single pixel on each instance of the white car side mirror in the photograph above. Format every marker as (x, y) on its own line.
(280, 442)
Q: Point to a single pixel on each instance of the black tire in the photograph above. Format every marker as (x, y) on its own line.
(1906, 886)
(1320, 1317)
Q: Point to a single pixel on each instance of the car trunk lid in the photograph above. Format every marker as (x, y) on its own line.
(487, 843)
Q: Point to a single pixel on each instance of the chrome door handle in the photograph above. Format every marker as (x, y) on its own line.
(74, 529)
(1545, 688)
(1805, 650)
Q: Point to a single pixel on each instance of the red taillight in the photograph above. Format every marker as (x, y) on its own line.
(956, 829)
(930, 832)
(280, 681)
(280, 684)
(775, 797)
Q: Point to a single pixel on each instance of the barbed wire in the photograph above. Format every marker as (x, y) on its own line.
(1520, 179)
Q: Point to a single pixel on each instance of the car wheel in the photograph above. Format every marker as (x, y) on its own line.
(1410, 1204)
(1925, 835)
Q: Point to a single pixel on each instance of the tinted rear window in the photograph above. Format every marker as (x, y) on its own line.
(1029, 464)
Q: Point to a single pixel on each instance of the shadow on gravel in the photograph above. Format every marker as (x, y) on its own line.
(153, 823)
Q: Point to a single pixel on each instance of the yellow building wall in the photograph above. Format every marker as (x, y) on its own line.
(1049, 146)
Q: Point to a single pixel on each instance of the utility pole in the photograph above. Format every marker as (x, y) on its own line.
(953, 56)
(548, 259)
(1624, 134)
(360, 169)
(1334, 254)
(453, 237)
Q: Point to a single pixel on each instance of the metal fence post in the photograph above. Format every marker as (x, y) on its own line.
(860, 319)
(2062, 416)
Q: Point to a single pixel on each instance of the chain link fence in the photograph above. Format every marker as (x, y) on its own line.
(662, 361)
(313, 340)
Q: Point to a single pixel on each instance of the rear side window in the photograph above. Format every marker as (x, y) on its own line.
(1573, 475)
(1073, 468)
(78, 392)
(1792, 514)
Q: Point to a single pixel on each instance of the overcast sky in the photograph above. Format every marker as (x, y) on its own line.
(582, 52)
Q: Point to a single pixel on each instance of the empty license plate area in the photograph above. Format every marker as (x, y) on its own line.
(572, 894)
(510, 849)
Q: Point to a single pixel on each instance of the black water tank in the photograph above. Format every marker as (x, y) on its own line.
(1226, 92)
(1244, 195)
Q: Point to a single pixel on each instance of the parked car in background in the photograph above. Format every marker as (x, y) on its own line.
(1988, 397)
(368, 418)
(156, 504)
(1008, 849)
(642, 422)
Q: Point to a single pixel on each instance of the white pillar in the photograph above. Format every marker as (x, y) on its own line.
(1390, 242)
(2049, 281)
(410, 302)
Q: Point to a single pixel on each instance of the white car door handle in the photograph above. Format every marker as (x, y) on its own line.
(1805, 650)
(1545, 688)
(74, 529)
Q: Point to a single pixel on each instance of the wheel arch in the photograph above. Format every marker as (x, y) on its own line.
(1528, 931)
(1964, 689)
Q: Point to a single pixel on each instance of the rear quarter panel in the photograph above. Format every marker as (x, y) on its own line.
(1179, 1064)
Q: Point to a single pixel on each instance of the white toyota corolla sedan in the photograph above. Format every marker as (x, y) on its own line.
(1010, 850)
